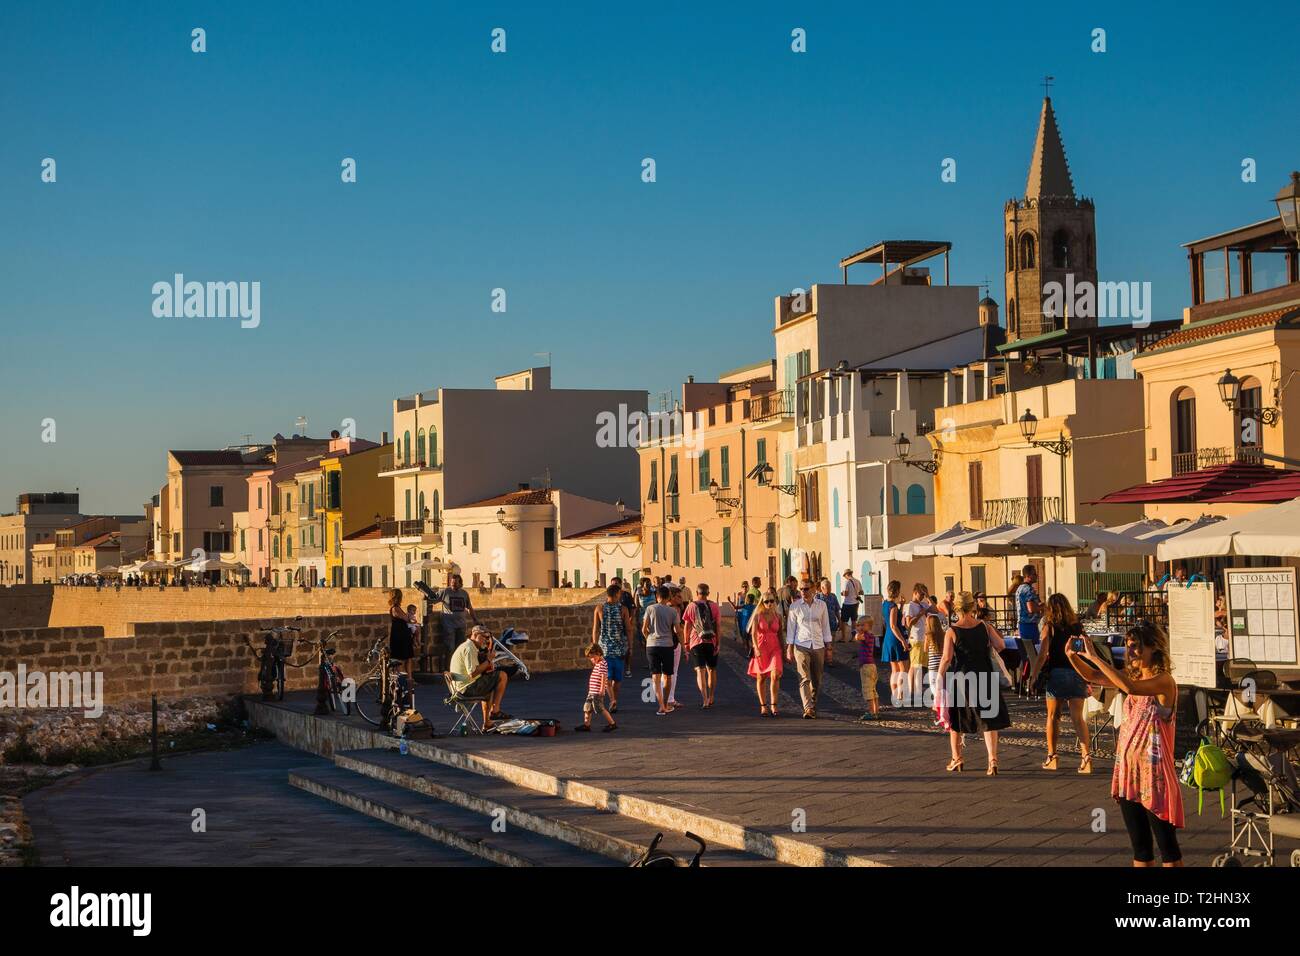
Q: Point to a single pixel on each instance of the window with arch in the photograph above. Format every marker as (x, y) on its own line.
(437, 506)
(1247, 414)
(1011, 315)
(915, 499)
(288, 546)
(275, 546)
(1182, 431)
(433, 447)
(835, 507)
(1090, 244)
(1011, 254)
(420, 507)
(868, 579)
(1028, 247)
(406, 450)
(419, 446)
(1061, 251)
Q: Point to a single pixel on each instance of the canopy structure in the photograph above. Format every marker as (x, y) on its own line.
(1053, 537)
(1183, 527)
(946, 548)
(1204, 484)
(1283, 487)
(431, 564)
(905, 551)
(1268, 532)
(151, 565)
(212, 564)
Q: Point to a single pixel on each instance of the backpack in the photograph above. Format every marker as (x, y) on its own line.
(703, 621)
(1206, 768)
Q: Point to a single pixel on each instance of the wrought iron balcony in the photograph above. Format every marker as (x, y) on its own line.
(1185, 462)
(1022, 511)
(770, 406)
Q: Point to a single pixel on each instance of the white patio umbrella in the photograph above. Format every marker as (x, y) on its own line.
(1054, 538)
(1169, 532)
(1139, 528)
(431, 564)
(948, 548)
(1272, 531)
(211, 564)
(905, 551)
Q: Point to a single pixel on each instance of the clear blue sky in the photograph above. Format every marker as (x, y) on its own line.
(522, 171)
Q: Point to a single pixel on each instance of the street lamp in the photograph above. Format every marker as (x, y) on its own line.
(1288, 206)
(621, 505)
(501, 520)
(1029, 428)
(722, 502)
(1229, 389)
(764, 474)
(903, 448)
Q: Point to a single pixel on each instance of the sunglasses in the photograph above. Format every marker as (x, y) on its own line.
(768, 601)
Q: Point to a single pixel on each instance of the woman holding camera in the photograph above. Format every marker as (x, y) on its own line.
(1060, 629)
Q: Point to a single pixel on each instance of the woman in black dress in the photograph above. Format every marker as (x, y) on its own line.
(401, 646)
(970, 681)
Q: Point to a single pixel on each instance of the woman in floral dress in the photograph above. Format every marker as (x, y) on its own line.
(1145, 781)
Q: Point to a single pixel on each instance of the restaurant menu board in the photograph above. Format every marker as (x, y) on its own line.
(1191, 634)
(1262, 614)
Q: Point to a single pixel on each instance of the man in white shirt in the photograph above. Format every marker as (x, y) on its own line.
(849, 599)
(807, 632)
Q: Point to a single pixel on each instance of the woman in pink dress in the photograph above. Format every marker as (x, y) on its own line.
(765, 665)
(1145, 781)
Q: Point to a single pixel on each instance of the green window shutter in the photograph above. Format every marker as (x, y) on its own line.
(699, 549)
(725, 466)
(704, 471)
(726, 547)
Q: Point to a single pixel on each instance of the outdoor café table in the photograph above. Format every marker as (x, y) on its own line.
(1270, 705)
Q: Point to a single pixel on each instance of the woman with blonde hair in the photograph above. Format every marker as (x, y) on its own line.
(765, 665)
(1061, 630)
(934, 631)
(893, 650)
(1145, 780)
(967, 666)
(401, 644)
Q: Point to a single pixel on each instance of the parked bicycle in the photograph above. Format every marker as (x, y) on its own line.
(373, 698)
(329, 677)
(272, 656)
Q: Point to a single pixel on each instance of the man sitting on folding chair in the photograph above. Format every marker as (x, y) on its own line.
(473, 683)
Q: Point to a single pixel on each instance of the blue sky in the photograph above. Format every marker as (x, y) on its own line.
(522, 171)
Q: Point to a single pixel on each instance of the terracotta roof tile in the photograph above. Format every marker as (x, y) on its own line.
(623, 527)
(531, 496)
(1231, 326)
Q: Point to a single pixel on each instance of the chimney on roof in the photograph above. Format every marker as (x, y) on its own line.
(334, 434)
(690, 379)
(383, 438)
(523, 486)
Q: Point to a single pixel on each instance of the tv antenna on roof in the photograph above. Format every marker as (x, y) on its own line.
(1047, 85)
(300, 423)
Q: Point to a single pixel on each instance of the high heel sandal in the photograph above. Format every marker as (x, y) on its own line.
(1050, 762)
(993, 769)
(955, 765)
(1085, 764)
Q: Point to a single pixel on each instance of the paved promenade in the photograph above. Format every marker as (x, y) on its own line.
(875, 791)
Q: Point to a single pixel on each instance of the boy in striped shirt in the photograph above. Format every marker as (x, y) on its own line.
(597, 684)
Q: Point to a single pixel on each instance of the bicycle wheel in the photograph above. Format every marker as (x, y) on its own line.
(369, 703)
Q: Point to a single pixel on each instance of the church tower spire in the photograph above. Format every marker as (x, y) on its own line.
(1050, 236)
(1049, 172)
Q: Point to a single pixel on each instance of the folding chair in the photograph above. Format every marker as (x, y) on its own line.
(1099, 713)
(465, 706)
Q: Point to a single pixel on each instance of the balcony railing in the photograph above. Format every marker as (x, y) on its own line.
(415, 528)
(389, 463)
(1022, 511)
(771, 405)
(1189, 461)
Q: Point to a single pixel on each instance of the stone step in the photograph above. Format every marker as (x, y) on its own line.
(439, 821)
(613, 835)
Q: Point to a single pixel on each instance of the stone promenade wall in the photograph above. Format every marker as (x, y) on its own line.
(117, 609)
(209, 658)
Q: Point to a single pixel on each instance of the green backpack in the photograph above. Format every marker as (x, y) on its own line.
(1207, 768)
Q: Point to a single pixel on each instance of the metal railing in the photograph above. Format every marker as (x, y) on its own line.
(777, 404)
(414, 528)
(401, 462)
(1022, 511)
(1185, 462)
(1092, 583)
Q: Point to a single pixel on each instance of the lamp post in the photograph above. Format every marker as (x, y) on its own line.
(721, 502)
(1230, 394)
(763, 472)
(903, 449)
(501, 520)
(1060, 447)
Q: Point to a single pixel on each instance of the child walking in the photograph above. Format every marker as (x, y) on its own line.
(597, 684)
(867, 666)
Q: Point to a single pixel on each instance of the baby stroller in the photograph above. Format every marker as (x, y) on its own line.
(1265, 797)
(653, 856)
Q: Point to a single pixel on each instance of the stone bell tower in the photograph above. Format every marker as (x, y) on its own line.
(1049, 236)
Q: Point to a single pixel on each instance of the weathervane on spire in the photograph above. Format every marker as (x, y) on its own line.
(1047, 86)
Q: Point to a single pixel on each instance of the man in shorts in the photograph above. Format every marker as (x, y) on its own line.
(851, 594)
(662, 628)
(703, 623)
(472, 679)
